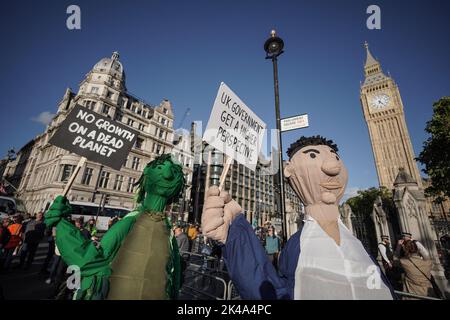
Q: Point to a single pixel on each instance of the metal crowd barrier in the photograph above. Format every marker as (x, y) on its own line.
(411, 295)
(232, 293)
(198, 272)
(203, 271)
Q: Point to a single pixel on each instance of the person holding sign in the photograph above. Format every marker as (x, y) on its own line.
(138, 257)
(323, 260)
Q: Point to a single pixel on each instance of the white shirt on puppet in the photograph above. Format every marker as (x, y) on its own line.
(326, 271)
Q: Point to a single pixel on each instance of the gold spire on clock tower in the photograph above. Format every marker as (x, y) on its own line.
(383, 111)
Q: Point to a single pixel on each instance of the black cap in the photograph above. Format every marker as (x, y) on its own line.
(407, 234)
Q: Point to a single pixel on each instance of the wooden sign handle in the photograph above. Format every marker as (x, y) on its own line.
(73, 176)
(228, 162)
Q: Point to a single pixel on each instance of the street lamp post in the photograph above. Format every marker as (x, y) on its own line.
(274, 47)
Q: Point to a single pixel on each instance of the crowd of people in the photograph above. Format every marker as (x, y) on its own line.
(20, 236)
(190, 240)
(408, 266)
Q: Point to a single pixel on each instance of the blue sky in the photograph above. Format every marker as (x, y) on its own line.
(182, 50)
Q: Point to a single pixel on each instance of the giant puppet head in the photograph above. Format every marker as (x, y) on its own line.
(316, 172)
(163, 177)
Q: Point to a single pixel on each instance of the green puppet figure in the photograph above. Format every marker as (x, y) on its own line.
(138, 258)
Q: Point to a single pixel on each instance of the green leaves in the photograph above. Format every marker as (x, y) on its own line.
(362, 204)
(435, 155)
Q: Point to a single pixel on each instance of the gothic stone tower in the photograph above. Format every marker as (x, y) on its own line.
(383, 112)
(394, 156)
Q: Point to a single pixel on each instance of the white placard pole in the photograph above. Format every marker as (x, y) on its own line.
(227, 165)
(74, 175)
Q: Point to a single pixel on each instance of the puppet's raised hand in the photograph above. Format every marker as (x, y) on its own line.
(219, 210)
(60, 208)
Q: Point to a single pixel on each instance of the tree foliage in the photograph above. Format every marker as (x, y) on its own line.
(435, 155)
(362, 204)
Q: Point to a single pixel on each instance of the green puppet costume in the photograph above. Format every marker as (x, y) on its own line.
(138, 257)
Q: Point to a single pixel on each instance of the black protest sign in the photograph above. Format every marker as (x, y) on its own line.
(96, 137)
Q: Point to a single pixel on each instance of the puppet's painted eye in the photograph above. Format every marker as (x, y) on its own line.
(312, 155)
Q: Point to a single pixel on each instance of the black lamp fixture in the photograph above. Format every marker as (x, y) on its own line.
(273, 46)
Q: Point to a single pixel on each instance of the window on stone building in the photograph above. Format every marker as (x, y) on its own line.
(118, 182)
(161, 134)
(87, 175)
(158, 148)
(119, 115)
(104, 179)
(94, 90)
(135, 164)
(130, 186)
(109, 94)
(130, 122)
(141, 127)
(90, 104)
(105, 109)
(139, 143)
(165, 111)
(67, 172)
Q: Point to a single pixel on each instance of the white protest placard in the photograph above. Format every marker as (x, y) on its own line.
(296, 122)
(234, 129)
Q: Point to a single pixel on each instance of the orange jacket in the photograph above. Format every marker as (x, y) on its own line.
(16, 235)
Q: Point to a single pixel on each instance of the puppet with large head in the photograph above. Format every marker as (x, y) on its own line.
(138, 257)
(319, 177)
(315, 172)
(160, 183)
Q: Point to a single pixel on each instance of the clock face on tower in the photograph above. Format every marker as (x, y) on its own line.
(379, 101)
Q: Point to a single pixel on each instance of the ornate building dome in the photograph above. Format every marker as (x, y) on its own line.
(111, 66)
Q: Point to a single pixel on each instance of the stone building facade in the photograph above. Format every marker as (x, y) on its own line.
(183, 154)
(104, 91)
(410, 203)
(14, 168)
(253, 190)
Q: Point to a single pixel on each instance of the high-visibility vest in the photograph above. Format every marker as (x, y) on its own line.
(15, 229)
(192, 233)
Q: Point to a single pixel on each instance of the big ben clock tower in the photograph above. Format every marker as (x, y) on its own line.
(383, 112)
